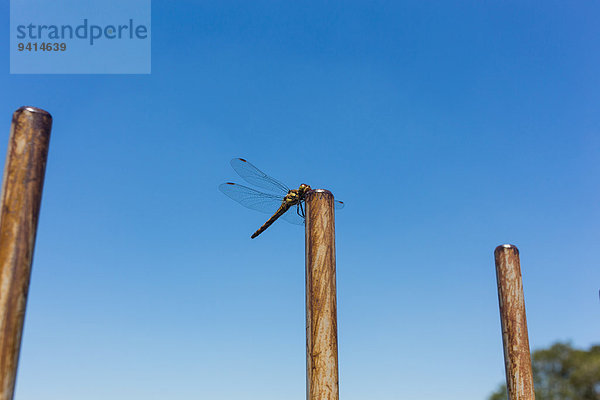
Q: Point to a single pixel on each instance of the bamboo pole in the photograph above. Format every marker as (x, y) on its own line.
(321, 312)
(20, 204)
(517, 359)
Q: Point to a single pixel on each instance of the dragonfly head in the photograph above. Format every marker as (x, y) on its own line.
(303, 189)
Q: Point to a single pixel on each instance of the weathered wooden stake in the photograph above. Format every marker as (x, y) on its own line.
(321, 311)
(517, 359)
(20, 201)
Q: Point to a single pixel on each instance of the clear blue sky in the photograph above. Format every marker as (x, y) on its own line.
(447, 129)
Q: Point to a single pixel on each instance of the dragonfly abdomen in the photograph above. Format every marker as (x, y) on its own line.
(280, 211)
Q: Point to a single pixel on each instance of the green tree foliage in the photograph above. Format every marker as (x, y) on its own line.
(499, 394)
(563, 373)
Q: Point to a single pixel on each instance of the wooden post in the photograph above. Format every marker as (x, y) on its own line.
(517, 359)
(20, 205)
(321, 312)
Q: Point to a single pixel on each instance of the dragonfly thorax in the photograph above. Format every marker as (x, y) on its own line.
(292, 197)
(295, 196)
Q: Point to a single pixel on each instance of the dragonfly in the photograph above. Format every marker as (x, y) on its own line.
(283, 202)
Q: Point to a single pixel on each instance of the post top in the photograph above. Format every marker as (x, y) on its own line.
(321, 192)
(32, 110)
(506, 247)
(38, 119)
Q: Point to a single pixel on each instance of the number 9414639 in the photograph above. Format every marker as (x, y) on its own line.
(29, 46)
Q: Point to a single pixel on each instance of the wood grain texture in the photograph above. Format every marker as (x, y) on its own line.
(517, 357)
(321, 308)
(20, 205)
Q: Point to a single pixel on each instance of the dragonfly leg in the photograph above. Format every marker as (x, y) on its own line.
(300, 210)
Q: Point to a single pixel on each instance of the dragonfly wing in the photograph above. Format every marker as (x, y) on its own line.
(253, 199)
(292, 216)
(255, 176)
